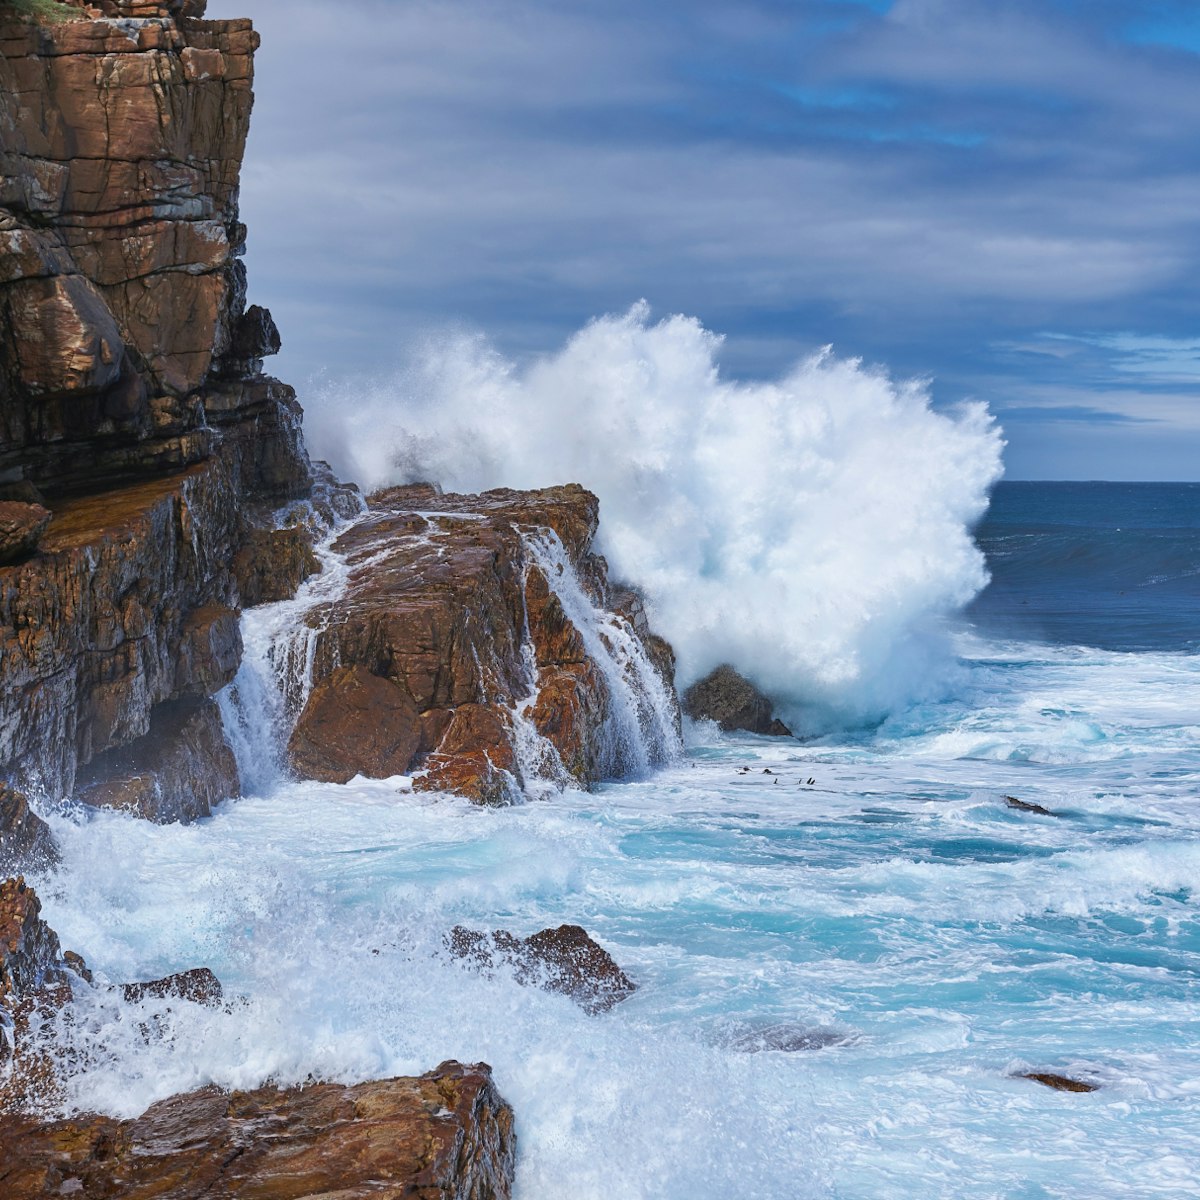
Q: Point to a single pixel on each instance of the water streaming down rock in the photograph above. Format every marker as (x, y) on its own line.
(273, 683)
(640, 729)
(472, 642)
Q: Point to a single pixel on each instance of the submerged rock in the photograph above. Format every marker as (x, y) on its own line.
(447, 1135)
(789, 1038)
(563, 960)
(1060, 1083)
(731, 700)
(1025, 806)
(198, 985)
(26, 843)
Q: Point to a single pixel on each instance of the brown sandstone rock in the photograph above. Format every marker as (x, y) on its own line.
(563, 960)
(272, 564)
(355, 722)
(447, 1135)
(443, 600)
(26, 843)
(177, 772)
(21, 528)
(122, 297)
(733, 702)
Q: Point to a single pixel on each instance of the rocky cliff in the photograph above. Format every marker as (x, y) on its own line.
(133, 405)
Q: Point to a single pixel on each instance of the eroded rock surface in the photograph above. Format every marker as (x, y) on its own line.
(450, 635)
(565, 960)
(447, 1135)
(731, 700)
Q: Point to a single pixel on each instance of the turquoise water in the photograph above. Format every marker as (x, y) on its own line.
(921, 940)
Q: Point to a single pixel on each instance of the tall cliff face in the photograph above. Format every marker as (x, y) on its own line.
(125, 343)
(132, 398)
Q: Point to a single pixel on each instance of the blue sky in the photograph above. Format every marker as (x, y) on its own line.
(1002, 196)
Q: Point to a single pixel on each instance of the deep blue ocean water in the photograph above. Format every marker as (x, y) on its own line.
(921, 941)
(1113, 565)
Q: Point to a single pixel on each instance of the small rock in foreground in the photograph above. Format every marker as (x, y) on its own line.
(563, 960)
(447, 1135)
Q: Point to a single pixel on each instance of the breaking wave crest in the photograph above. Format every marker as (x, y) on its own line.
(813, 530)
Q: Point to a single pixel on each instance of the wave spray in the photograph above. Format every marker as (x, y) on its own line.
(813, 530)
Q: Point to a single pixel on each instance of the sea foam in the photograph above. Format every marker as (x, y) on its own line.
(811, 530)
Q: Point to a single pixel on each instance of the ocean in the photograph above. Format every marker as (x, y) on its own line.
(840, 981)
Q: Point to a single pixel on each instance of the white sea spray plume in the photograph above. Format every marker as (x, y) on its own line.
(813, 530)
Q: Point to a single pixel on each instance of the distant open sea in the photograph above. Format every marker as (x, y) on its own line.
(1112, 565)
(847, 955)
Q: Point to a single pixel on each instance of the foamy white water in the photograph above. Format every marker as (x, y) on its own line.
(811, 529)
(896, 906)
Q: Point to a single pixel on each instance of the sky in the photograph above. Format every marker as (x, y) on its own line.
(999, 196)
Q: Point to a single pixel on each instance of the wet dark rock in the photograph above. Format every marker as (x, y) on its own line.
(563, 960)
(26, 843)
(731, 700)
(177, 772)
(199, 985)
(1060, 1083)
(21, 528)
(447, 1135)
(1025, 806)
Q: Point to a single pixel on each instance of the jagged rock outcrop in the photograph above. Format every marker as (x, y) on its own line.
(450, 636)
(565, 960)
(731, 700)
(447, 1135)
(272, 564)
(132, 400)
(26, 843)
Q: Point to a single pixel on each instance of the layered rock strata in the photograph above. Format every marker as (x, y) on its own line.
(451, 651)
(446, 1135)
(133, 405)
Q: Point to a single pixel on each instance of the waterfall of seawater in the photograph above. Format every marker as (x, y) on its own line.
(639, 730)
(260, 706)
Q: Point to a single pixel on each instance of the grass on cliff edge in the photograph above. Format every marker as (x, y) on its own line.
(44, 12)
